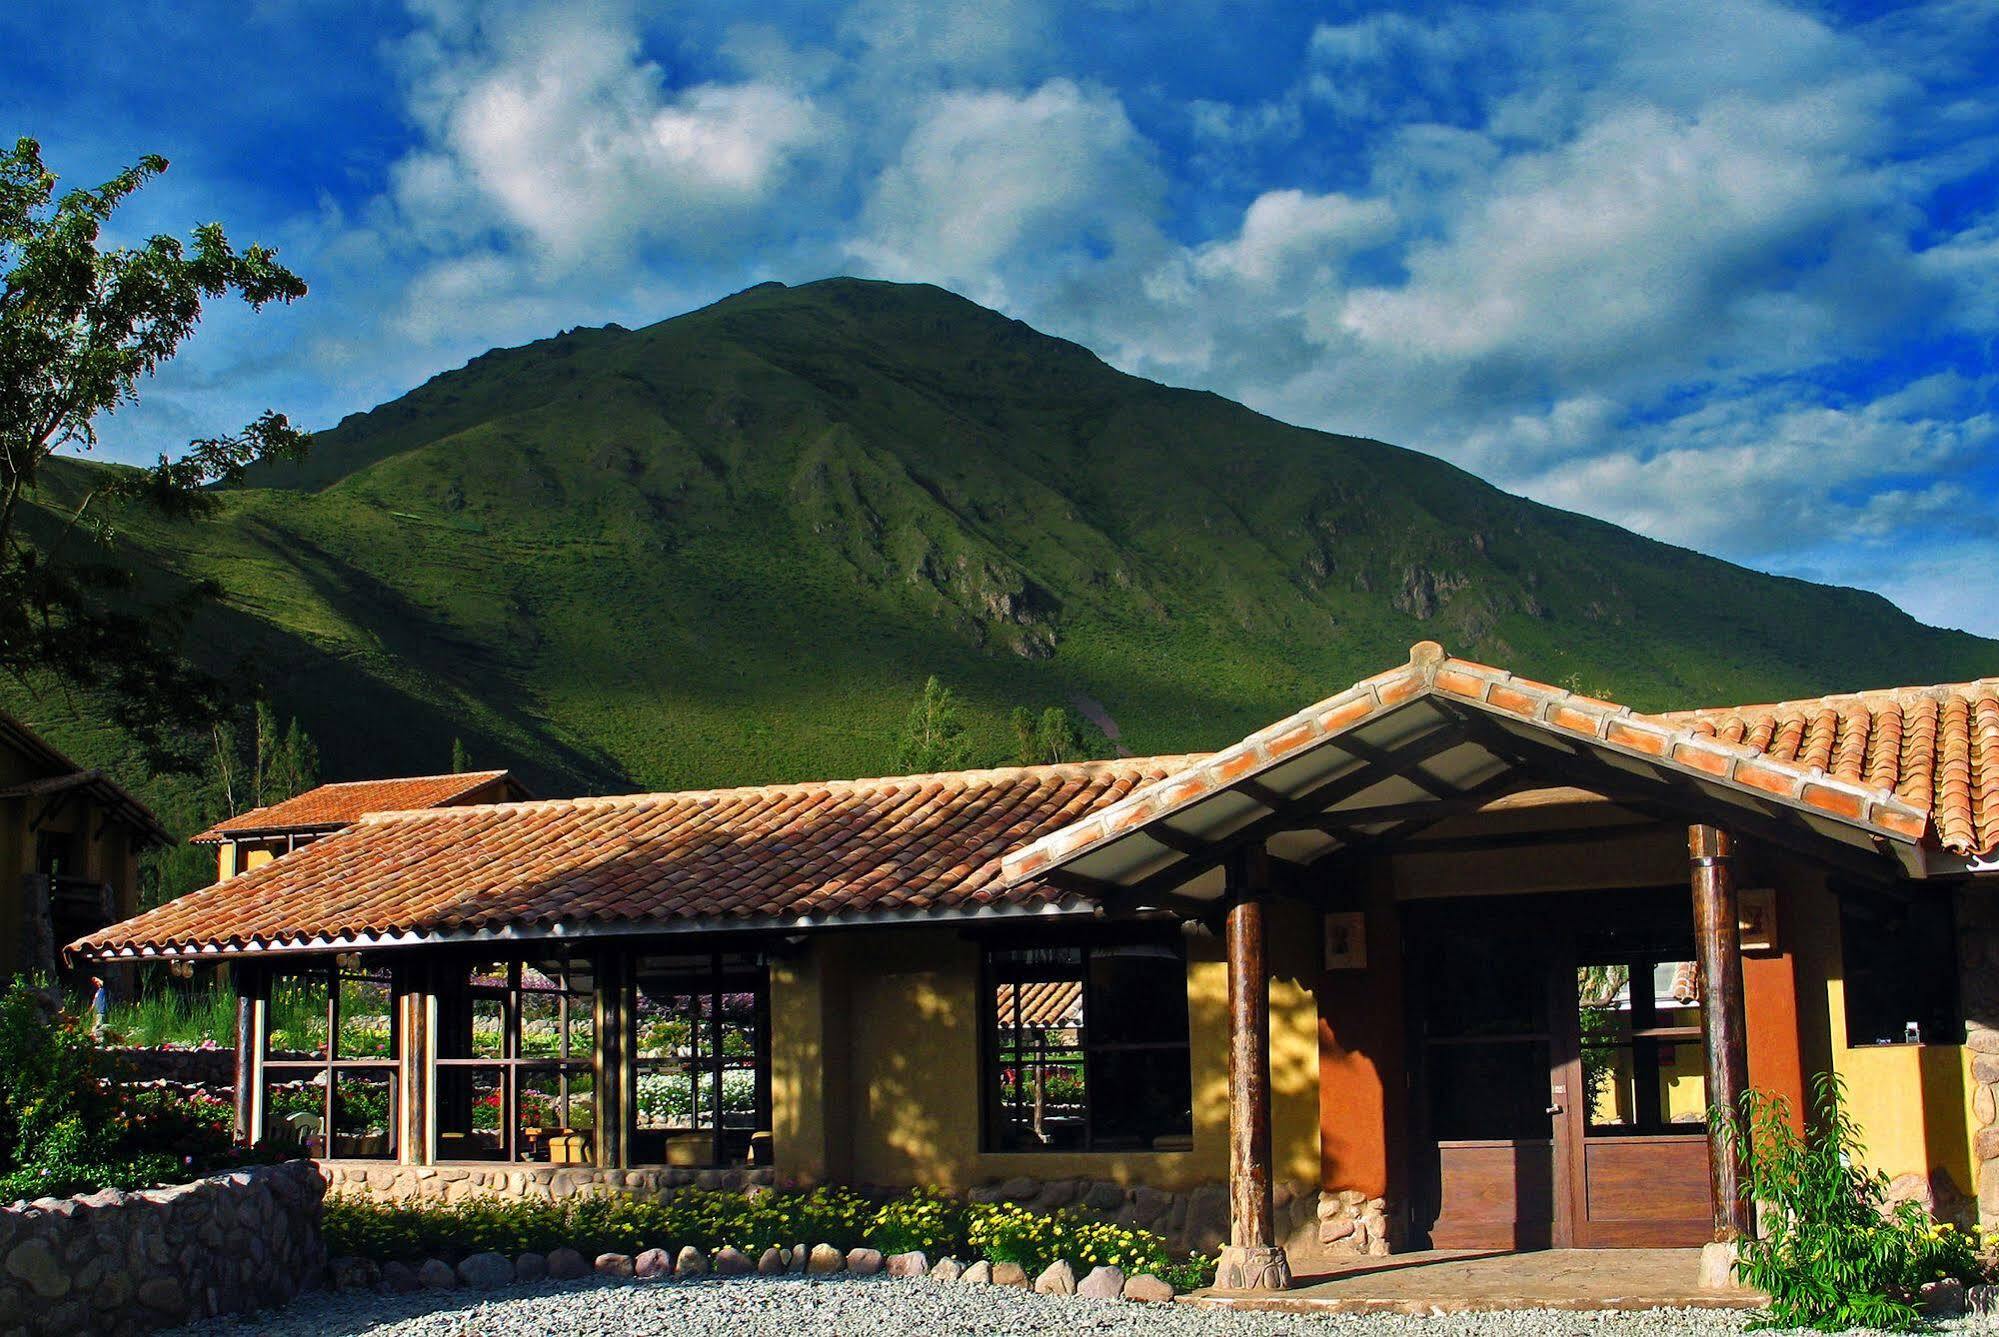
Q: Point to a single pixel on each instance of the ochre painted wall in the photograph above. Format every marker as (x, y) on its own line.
(875, 1065)
(1911, 1102)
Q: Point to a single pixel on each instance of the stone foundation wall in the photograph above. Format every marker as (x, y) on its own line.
(188, 1067)
(115, 1263)
(1309, 1224)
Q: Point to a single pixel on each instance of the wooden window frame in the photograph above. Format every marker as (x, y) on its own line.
(455, 985)
(712, 1066)
(270, 1071)
(994, 1120)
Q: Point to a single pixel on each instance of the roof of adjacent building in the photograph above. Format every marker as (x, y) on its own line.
(59, 773)
(770, 854)
(1908, 768)
(330, 807)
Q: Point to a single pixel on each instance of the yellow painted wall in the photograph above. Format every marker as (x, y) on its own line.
(1911, 1102)
(904, 1007)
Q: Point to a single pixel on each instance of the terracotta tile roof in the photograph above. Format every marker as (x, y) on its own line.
(1044, 1005)
(1669, 743)
(330, 807)
(774, 854)
(1937, 748)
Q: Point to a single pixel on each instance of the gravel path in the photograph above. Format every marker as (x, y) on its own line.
(879, 1307)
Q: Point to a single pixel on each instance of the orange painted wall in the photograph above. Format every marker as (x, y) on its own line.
(1770, 1009)
(1362, 1093)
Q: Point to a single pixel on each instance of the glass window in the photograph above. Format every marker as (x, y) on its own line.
(1643, 1066)
(339, 1099)
(516, 1055)
(700, 1076)
(1088, 1048)
(1900, 960)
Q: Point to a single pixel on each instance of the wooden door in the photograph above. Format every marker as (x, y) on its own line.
(1555, 1104)
(1637, 1132)
(1493, 1160)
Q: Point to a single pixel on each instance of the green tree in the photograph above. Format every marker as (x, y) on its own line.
(284, 760)
(461, 761)
(1054, 736)
(933, 737)
(80, 325)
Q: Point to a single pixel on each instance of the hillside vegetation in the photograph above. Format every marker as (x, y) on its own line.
(731, 546)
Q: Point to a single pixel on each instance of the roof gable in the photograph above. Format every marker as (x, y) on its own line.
(331, 806)
(1439, 728)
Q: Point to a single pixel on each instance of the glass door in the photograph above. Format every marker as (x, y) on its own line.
(1640, 1156)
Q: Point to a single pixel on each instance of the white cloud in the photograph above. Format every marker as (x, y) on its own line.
(1051, 177)
(553, 126)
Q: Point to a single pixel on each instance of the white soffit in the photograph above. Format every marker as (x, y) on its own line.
(1301, 775)
(1301, 846)
(1126, 859)
(1390, 789)
(1463, 766)
(1218, 816)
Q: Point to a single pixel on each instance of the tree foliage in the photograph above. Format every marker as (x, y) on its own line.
(933, 737)
(81, 324)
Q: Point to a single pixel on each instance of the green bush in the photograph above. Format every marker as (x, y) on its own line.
(67, 1127)
(923, 1220)
(1831, 1255)
(1009, 1234)
(753, 1222)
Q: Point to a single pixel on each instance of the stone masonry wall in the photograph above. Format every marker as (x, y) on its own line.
(115, 1263)
(1309, 1224)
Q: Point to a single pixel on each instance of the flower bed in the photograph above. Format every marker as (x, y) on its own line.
(749, 1224)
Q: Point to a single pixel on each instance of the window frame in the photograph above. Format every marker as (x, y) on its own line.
(1856, 902)
(455, 983)
(712, 979)
(993, 1119)
(332, 970)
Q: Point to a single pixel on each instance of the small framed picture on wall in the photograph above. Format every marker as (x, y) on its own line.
(1346, 940)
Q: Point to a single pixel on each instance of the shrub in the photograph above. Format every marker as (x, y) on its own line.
(925, 1220)
(606, 1222)
(1831, 1254)
(66, 1127)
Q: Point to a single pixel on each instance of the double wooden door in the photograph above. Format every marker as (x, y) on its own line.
(1556, 1069)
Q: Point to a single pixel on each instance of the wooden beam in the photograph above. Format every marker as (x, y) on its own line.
(1676, 798)
(1724, 1034)
(1253, 1260)
(1255, 833)
(1509, 840)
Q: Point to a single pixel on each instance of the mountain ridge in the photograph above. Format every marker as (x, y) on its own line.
(729, 546)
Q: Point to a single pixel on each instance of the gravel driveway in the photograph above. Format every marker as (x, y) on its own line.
(877, 1307)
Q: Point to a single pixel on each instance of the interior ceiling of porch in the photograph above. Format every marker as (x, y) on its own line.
(1440, 766)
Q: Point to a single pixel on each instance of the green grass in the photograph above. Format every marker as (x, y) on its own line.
(730, 547)
(171, 1017)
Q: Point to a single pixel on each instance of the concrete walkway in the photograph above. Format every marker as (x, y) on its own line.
(1448, 1281)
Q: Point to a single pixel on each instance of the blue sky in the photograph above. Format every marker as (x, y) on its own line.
(1723, 271)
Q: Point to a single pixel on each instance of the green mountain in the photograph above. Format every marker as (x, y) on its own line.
(730, 547)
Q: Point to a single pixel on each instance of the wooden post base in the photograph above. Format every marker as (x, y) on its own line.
(1253, 1268)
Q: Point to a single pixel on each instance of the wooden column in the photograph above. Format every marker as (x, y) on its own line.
(247, 1074)
(1724, 1030)
(1253, 1260)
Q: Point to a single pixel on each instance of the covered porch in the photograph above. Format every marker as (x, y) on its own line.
(1541, 1050)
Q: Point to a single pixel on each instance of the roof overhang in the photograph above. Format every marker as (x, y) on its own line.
(1439, 738)
(563, 931)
